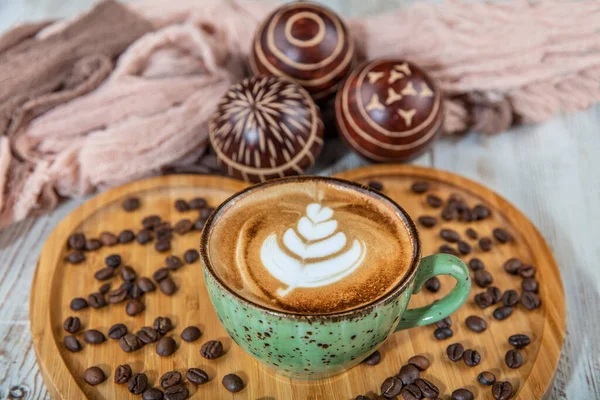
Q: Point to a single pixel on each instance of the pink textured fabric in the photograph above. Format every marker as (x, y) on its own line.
(496, 63)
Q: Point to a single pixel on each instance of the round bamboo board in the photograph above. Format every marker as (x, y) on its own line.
(57, 282)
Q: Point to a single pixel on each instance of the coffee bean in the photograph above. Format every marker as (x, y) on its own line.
(147, 335)
(391, 387)
(471, 358)
(419, 187)
(135, 292)
(449, 213)
(105, 288)
(361, 397)
(419, 361)
(428, 389)
(519, 341)
(502, 312)
(183, 226)
(199, 224)
(166, 346)
(476, 324)
(93, 336)
(130, 343)
(96, 300)
(408, 374)
(196, 376)
(212, 349)
(462, 394)
(502, 390)
(72, 324)
(432, 284)
(144, 236)
(162, 325)
(76, 241)
(527, 271)
(104, 274)
(373, 359)
(476, 264)
(483, 278)
(134, 307)
(512, 266)
(434, 201)
(495, 292)
(485, 244)
(128, 274)
(72, 344)
(465, 215)
(197, 203)
(173, 262)
(131, 204)
(443, 333)
(232, 383)
(471, 233)
(126, 236)
(446, 249)
(449, 235)
(444, 323)
(427, 221)
(170, 378)
(181, 205)
(117, 295)
(138, 383)
(126, 286)
(167, 286)
(113, 261)
(455, 352)
(191, 256)
(162, 245)
(92, 244)
(486, 378)
(484, 299)
(153, 394)
(122, 374)
(530, 300)
(510, 298)
(146, 285)
(108, 239)
(151, 221)
(117, 331)
(502, 235)
(191, 334)
(464, 248)
(375, 185)
(93, 376)
(481, 212)
(160, 274)
(163, 231)
(178, 392)
(513, 359)
(78, 303)
(530, 285)
(411, 392)
(75, 257)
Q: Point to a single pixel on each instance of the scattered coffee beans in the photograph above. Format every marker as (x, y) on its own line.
(428, 389)
(519, 341)
(446, 249)
(434, 201)
(485, 244)
(495, 293)
(130, 343)
(76, 241)
(420, 187)
(526, 271)
(126, 236)
(408, 374)
(199, 224)
(181, 205)
(502, 390)
(94, 376)
(138, 383)
(72, 344)
(72, 324)
(146, 285)
(153, 394)
(144, 236)
(147, 335)
(475, 264)
(375, 185)
(75, 257)
(191, 256)
(134, 307)
(512, 266)
(502, 235)
(476, 324)
(92, 244)
(455, 352)
(530, 285)
(444, 323)
(462, 394)
(471, 358)
(449, 213)
(212, 349)
(449, 235)
(419, 361)
(108, 239)
(197, 203)
(483, 278)
(178, 392)
(373, 359)
(104, 274)
(427, 221)
(481, 212)
(128, 274)
(196, 376)
(464, 248)
(160, 274)
(117, 331)
(432, 284)
(78, 303)
(484, 299)
(105, 288)
(122, 374)
(510, 298)
(391, 387)
(117, 295)
(166, 346)
(361, 397)
(183, 226)
(162, 245)
(502, 312)
(471, 233)
(131, 204)
(162, 325)
(113, 261)
(151, 221)
(232, 383)
(530, 300)
(173, 262)
(513, 359)
(170, 378)
(167, 286)
(486, 378)
(443, 333)
(93, 336)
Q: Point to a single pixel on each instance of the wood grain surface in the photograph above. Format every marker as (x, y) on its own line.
(549, 171)
(57, 282)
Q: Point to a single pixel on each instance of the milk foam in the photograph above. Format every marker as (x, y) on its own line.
(317, 240)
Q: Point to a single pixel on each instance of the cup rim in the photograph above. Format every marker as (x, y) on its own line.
(399, 288)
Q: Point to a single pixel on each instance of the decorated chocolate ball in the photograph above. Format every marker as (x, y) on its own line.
(389, 110)
(266, 127)
(307, 43)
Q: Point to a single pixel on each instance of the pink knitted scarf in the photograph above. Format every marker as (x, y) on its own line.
(498, 63)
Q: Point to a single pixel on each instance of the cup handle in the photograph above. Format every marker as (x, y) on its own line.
(438, 264)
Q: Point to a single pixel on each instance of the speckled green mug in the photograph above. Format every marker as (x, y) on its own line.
(321, 345)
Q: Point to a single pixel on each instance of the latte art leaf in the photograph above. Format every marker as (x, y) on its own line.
(313, 256)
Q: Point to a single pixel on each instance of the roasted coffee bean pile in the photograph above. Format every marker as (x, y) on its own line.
(131, 292)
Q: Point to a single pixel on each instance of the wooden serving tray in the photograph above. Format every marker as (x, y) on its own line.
(57, 282)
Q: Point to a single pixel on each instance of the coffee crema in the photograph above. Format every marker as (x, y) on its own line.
(310, 246)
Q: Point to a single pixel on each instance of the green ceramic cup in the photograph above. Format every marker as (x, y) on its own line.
(318, 346)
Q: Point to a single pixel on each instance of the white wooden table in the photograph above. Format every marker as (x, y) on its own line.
(550, 171)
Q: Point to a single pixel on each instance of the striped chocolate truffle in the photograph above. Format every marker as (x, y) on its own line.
(266, 127)
(307, 43)
(389, 110)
